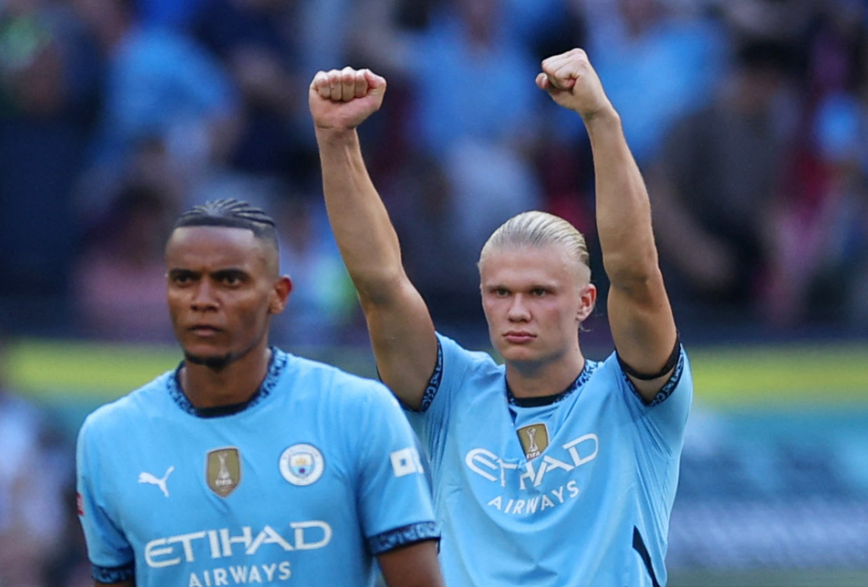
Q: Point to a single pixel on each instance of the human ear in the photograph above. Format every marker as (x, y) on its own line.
(279, 294)
(588, 301)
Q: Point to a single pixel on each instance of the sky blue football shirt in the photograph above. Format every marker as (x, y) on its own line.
(573, 492)
(301, 487)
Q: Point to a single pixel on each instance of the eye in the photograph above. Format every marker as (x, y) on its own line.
(501, 292)
(180, 278)
(538, 292)
(231, 278)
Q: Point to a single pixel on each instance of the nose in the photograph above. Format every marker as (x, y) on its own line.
(518, 311)
(203, 296)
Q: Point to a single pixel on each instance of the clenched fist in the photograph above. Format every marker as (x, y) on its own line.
(343, 99)
(572, 82)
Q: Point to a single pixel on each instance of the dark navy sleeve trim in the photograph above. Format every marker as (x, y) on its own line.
(404, 536)
(434, 381)
(667, 389)
(113, 574)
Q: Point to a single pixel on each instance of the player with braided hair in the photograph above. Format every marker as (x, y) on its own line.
(247, 464)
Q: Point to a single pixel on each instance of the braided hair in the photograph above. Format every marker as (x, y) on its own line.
(231, 213)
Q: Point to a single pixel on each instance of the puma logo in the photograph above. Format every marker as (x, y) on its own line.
(161, 483)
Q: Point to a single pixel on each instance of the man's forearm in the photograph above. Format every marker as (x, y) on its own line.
(364, 233)
(623, 207)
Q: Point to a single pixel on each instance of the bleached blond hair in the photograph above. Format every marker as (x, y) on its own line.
(538, 229)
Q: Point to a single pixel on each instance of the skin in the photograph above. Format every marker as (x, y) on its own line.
(399, 323)
(534, 301)
(640, 315)
(223, 289)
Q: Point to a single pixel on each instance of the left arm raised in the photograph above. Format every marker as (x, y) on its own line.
(640, 315)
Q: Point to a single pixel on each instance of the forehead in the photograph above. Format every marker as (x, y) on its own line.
(533, 265)
(204, 248)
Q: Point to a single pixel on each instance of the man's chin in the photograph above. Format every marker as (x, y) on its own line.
(517, 353)
(215, 362)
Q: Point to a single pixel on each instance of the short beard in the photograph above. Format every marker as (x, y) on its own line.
(214, 363)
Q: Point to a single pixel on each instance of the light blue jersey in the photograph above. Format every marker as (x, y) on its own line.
(573, 492)
(300, 487)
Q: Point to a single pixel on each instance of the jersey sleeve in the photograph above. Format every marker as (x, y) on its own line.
(394, 494)
(109, 551)
(453, 362)
(665, 417)
(458, 371)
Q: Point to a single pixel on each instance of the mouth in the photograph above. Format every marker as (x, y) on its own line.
(204, 330)
(518, 337)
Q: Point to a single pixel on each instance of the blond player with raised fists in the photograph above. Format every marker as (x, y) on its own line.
(549, 468)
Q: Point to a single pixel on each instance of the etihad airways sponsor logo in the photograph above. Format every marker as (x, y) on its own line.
(553, 497)
(575, 453)
(242, 575)
(221, 543)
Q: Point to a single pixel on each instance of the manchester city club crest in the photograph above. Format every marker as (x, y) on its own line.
(301, 464)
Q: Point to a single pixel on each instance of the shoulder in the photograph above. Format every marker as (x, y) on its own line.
(607, 368)
(316, 372)
(458, 370)
(120, 415)
(323, 382)
(453, 352)
(609, 373)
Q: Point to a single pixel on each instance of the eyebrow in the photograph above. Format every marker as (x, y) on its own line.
(219, 273)
(177, 271)
(230, 272)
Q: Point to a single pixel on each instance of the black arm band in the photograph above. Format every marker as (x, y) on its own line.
(670, 363)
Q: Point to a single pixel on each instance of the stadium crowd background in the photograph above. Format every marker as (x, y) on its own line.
(749, 119)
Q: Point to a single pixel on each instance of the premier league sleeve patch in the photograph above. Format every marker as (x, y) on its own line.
(301, 464)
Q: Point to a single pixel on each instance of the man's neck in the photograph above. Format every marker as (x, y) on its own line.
(235, 383)
(540, 380)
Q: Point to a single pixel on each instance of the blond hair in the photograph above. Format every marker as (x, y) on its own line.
(539, 229)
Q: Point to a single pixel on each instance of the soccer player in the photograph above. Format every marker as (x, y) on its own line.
(549, 469)
(246, 464)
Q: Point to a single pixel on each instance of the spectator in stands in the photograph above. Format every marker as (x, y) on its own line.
(257, 41)
(161, 88)
(49, 72)
(715, 186)
(819, 271)
(658, 63)
(33, 479)
(119, 283)
(323, 307)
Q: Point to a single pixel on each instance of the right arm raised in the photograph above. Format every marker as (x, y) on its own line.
(399, 323)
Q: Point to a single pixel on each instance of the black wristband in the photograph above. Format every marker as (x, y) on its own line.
(670, 363)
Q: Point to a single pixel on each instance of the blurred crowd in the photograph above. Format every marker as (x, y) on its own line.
(749, 119)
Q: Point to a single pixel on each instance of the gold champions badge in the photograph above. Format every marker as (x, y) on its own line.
(534, 439)
(223, 470)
